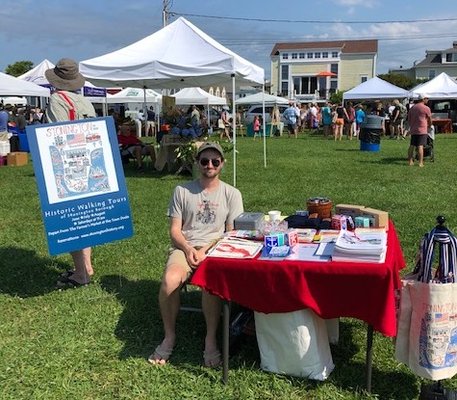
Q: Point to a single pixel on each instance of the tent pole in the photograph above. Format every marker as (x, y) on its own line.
(145, 111)
(264, 128)
(234, 129)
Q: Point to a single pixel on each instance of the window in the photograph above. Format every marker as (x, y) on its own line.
(325, 54)
(333, 84)
(285, 56)
(301, 55)
(334, 54)
(448, 57)
(285, 88)
(284, 72)
(363, 79)
(431, 74)
(294, 56)
(309, 55)
(317, 55)
(334, 68)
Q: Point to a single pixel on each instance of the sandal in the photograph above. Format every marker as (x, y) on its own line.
(212, 359)
(69, 283)
(161, 355)
(67, 273)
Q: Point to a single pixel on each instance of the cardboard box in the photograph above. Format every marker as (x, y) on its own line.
(17, 159)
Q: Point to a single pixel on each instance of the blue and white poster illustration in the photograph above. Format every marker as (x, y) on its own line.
(81, 183)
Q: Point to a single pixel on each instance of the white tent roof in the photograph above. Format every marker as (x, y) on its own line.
(258, 98)
(134, 95)
(14, 100)
(440, 87)
(11, 86)
(196, 95)
(375, 88)
(178, 55)
(36, 74)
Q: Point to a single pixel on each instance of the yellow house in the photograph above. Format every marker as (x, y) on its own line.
(310, 71)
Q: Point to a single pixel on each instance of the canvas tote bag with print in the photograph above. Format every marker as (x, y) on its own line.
(427, 324)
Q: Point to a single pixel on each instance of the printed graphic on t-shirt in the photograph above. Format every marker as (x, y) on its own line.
(207, 212)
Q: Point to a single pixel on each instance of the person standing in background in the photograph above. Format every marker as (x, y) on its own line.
(151, 122)
(419, 121)
(66, 105)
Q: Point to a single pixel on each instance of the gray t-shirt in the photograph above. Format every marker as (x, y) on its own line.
(205, 215)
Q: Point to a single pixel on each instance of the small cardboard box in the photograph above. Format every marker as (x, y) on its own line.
(17, 159)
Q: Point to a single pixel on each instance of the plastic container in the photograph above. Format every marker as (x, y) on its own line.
(364, 146)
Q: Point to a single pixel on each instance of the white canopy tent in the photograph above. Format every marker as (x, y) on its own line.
(177, 56)
(375, 88)
(11, 86)
(22, 101)
(36, 74)
(440, 87)
(134, 95)
(262, 97)
(196, 95)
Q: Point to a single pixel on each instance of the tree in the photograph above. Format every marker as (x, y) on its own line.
(399, 80)
(336, 98)
(19, 68)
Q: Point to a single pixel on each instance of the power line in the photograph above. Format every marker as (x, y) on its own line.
(426, 20)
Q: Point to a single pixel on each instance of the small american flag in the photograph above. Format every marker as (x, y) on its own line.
(441, 317)
(75, 139)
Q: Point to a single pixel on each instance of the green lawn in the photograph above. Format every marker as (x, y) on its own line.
(92, 343)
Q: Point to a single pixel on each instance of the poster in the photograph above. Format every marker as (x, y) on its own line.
(81, 183)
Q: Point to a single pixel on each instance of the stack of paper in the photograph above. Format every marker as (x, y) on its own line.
(360, 247)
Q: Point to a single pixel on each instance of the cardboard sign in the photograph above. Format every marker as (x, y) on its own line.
(81, 183)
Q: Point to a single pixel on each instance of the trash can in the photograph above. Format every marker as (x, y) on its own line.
(370, 133)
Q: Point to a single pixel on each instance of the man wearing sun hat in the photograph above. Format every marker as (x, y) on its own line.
(419, 121)
(200, 212)
(67, 105)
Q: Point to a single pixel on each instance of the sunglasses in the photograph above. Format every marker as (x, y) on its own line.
(205, 161)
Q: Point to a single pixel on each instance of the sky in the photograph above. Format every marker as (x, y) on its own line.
(53, 29)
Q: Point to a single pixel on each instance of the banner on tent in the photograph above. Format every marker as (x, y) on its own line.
(81, 183)
(94, 91)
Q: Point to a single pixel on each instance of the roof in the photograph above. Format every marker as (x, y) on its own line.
(346, 46)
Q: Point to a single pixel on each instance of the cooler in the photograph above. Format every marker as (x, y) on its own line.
(370, 133)
(23, 143)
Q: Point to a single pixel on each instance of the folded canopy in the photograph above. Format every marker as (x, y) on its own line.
(375, 88)
(440, 87)
(11, 86)
(189, 96)
(177, 56)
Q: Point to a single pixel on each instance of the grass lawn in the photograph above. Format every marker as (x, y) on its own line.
(92, 343)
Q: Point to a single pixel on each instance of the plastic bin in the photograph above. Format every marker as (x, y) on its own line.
(250, 130)
(370, 138)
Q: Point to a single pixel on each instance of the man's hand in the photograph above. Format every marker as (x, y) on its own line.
(195, 256)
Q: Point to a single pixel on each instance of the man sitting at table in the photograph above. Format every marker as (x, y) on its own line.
(200, 212)
(132, 146)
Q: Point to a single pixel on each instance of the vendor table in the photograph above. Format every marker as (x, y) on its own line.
(443, 125)
(331, 289)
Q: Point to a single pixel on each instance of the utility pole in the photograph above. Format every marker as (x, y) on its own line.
(165, 12)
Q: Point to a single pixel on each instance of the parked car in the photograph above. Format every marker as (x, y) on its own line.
(257, 110)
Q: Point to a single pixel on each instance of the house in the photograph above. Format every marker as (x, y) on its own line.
(435, 62)
(314, 70)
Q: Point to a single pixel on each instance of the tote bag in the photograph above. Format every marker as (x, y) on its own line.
(427, 321)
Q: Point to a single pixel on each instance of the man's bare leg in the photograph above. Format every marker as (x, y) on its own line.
(212, 311)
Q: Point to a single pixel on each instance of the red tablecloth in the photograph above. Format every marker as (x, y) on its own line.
(443, 125)
(332, 289)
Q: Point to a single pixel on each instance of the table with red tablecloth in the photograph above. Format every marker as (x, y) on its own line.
(331, 289)
(443, 125)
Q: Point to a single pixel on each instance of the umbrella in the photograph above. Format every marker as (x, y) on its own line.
(325, 73)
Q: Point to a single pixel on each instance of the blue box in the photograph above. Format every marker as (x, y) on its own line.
(23, 143)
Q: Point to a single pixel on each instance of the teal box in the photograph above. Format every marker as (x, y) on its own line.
(250, 130)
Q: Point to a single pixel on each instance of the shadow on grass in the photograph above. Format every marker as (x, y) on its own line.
(390, 160)
(25, 274)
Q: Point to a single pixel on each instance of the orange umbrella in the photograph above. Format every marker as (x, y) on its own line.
(325, 73)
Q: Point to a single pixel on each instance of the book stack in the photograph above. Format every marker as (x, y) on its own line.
(360, 247)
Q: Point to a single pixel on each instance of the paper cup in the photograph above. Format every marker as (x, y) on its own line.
(274, 215)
